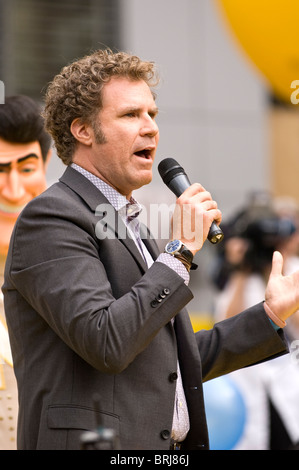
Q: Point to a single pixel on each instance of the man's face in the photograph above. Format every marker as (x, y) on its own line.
(124, 159)
(22, 177)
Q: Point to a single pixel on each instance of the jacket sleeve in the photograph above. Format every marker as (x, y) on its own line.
(240, 341)
(54, 264)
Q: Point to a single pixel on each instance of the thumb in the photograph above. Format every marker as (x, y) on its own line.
(277, 264)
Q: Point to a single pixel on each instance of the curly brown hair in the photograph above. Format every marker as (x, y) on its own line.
(76, 92)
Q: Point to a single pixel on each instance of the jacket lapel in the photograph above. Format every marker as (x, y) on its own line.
(149, 242)
(97, 202)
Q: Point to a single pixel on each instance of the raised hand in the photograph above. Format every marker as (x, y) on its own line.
(282, 292)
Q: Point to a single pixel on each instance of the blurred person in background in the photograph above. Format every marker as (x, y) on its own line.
(270, 390)
(24, 154)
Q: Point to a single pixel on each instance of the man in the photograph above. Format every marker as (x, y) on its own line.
(24, 153)
(92, 312)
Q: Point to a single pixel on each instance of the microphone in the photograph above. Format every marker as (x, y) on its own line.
(175, 178)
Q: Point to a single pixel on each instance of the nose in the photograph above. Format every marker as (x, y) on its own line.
(149, 127)
(13, 189)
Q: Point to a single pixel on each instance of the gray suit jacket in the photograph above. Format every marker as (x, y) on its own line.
(86, 316)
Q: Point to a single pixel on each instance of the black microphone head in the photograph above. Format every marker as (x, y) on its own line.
(174, 176)
(169, 168)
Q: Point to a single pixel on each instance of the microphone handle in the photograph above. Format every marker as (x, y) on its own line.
(178, 185)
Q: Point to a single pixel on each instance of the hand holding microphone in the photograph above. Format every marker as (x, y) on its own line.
(175, 178)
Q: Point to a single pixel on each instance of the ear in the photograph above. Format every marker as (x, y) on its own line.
(81, 131)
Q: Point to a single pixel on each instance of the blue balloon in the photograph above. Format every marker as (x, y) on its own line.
(225, 411)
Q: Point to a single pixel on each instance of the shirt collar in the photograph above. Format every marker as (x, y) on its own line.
(120, 203)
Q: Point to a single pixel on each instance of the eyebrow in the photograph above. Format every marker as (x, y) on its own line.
(20, 160)
(153, 110)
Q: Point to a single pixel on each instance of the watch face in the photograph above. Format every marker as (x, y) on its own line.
(173, 246)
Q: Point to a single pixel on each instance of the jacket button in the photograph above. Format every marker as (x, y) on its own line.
(165, 434)
(166, 291)
(173, 376)
(154, 303)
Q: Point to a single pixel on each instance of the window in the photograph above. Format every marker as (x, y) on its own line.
(39, 37)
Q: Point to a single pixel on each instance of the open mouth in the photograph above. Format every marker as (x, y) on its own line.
(145, 153)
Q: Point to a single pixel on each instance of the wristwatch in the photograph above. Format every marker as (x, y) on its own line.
(177, 249)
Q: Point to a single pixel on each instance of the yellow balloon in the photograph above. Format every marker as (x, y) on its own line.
(268, 31)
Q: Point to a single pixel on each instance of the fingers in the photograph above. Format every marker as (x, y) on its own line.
(197, 196)
(195, 211)
(281, 293)
(197, 191)
(277, 264)
(215, 215)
